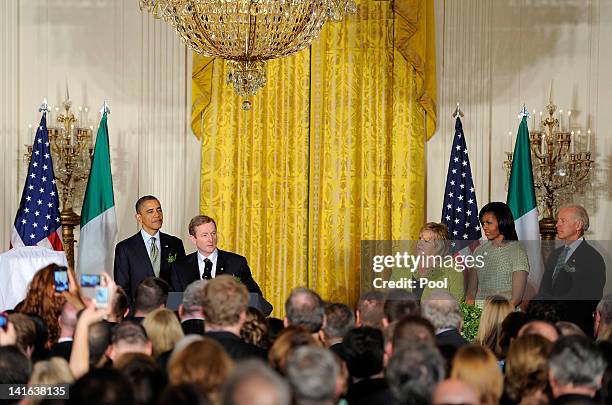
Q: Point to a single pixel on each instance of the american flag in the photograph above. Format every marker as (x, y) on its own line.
(460, 210)
(38, 218)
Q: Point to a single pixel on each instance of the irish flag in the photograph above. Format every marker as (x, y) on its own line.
(522, 202)
(98, 221)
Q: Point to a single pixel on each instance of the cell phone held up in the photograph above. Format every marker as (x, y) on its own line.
(90, 280)
(60, 278)
(3, 321)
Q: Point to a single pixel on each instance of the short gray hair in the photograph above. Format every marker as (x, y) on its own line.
(442, 309)
(413, 373)
(255, 382)
(570, 351)
(192, 297)
(604, 307)
(580, 213)
(312, 373)
(305, 308)
(340, 319)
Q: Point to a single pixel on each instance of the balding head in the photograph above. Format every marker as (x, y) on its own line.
(454, 391)
(254, 383)
(442, 309)
(67, 320)
(541, 328)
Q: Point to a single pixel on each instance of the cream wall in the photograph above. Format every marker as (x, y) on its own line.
(106, 49)
(493, 56)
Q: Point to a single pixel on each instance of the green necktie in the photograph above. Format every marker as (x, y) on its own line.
(154, 257)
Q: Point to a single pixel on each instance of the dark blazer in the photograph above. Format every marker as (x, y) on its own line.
(581, 288)
(452, 338)
(574, 399)
(63, 350)
(132, 262)
(193, 327)
(185, 271)
(374, 391)
(235, 347)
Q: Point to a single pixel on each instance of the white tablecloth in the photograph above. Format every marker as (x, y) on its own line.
(18, 266)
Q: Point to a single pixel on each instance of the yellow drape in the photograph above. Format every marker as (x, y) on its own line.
(331, 153)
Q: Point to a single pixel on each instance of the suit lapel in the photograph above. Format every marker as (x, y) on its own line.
(165, 248)
(195, 269)
(220, 263)
(141, 250)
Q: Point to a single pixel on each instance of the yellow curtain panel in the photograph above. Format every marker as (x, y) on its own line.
(330, 154)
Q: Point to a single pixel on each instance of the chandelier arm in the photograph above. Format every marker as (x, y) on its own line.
(250, 42)
(202, 31)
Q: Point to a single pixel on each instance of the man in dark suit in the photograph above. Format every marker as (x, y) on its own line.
(190, 311)
(442, 309)
(150, 252)
(208, 262)
(575, 272)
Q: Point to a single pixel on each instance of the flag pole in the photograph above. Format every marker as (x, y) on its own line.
(458, 112)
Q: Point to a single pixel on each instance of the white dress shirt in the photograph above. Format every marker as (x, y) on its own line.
(572, 247)
(147, 241)
(213, 258)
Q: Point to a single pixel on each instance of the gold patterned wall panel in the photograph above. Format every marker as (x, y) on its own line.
(255, 174)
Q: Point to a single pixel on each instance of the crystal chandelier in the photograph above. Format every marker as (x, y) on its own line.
(561, 162)
(247, 33)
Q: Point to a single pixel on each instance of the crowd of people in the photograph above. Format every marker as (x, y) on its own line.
(399, 347)
(392, 349)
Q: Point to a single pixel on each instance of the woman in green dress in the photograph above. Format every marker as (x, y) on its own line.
(437, 266)
(505, 265)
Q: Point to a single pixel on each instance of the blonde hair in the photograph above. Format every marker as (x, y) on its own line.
(526, 369)
(53, 371)
(224, 299)
(478, 367)
(440, 234)
(163, 330)
(204, 364)
(496, 309)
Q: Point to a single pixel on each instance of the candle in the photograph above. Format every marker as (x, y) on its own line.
(569, 120)
(30, 132)
(560, 120)
(589, 140)
(80, 122)
(572, 143)
(540, 119)
(533, 119)
(86, 109)
(543, 143)
(510, 139)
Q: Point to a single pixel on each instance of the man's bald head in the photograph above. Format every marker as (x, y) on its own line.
(544, 329)
(454, 391)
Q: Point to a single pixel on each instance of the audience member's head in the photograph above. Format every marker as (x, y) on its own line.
(400, 303)
(120, 306)
(50, 372)
(566, 328)
(255, 329)
(102, 386)
(254, 383)
(370, 310)
(454, 392)
(603, 316)
(203, 363)
(184, 342)
(339, 320)
(191, 307)
(42, 300)
(289, 339)
(99, 339)
(305, 308)
(163, 329)
(478, 367)
(413, 372)
(25, 331)
(183, 394)
(546, 310)
(144, 376)
(575, 366)
(510, 328)
(225, 302)
(129, 337)
(413, 329)
(442, 310)
(541, 328)
(495, 310)
(67, 320)
(364, 352)
(312, 373)
(526, 369)
(276, 326)
(151, 294)
(15, 367)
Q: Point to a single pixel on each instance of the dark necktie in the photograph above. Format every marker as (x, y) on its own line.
(207, 270)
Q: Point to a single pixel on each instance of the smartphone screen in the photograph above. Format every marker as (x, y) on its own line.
(90, 280)
(3, 320)
(101, 297)
(61, 279)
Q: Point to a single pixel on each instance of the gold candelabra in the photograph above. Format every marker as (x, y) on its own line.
(71, 150)
(561, 163)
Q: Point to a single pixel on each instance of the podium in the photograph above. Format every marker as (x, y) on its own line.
(255, 301)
